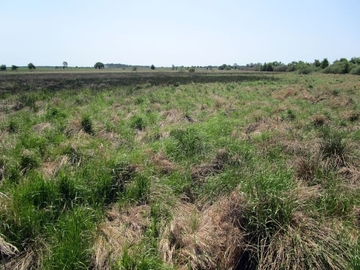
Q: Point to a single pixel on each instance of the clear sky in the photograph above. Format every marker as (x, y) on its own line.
(182, 32)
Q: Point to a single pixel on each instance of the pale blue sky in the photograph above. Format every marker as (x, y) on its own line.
(165, 32)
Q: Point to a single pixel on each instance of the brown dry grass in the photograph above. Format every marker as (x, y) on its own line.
(173, 116)
(162, 163)
(305, 244)
(51, 168)
(6, 249)
(121, 230)
(215, 166)
(208, 239)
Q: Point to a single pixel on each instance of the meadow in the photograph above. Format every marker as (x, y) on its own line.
(179, 171)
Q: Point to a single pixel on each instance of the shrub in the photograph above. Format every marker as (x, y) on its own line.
(3, 67)
(339, 67)
(305, 70)
(99, 65)
(281, 68)
(355, 70)
(192, 70)
(31, 66)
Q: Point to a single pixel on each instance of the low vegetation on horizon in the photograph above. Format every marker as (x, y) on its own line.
(342, 66)
(257, 173)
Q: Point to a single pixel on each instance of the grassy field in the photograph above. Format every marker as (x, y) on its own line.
(179, 171)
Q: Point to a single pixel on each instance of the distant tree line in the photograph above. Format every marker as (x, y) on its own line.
(342, 66)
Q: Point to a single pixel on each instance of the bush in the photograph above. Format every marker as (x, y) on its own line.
(305, 70)
(3, 67)
(99, 65)
(281, 68)
(355, 70)
(339, 67)
(192, 70)
(31, 66)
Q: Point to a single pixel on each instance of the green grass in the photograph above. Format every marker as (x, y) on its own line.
(101, 177)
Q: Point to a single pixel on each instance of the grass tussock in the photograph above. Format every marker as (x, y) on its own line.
(122, 230)
(206, 239)
(305, 244)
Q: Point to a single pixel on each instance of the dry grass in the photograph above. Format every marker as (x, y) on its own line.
(41, 127)
(285, 93)
(305, 168)
(121, 230)
(173, 116)
(215, 166)
(6, 249)
(51, 168)
(208, 239)
(305, 244)
(162, 163)
(30, 258)
(22, 261)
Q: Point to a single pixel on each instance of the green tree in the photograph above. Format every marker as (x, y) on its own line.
(192, 69)
(3, 67)
(324, 63)
(152, 67)
(65, 64)
(99, 65)
(355, 60)
(31, 66)
(13, 67)
(317, 63)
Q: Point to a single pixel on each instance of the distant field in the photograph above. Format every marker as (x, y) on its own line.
(170, 170)
(91, 78)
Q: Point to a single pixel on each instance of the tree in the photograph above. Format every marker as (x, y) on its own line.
(355, 60)
(317, 63)
(13, 67)
(324, 63)
(152, 67)
(31, 66)
(65, 64)
(134, 69)
(192, 69)
(3, 67)
(99, 65)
